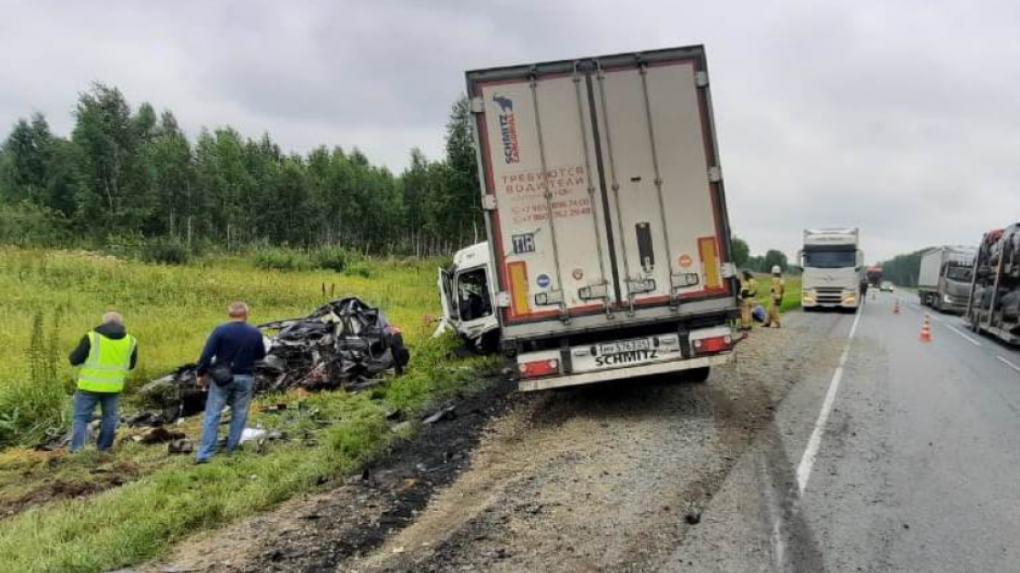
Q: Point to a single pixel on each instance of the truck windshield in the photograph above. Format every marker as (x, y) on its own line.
(473, 293)
(958, 273)
(830, 259)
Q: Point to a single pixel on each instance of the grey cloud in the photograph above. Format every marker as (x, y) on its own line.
(898, 117)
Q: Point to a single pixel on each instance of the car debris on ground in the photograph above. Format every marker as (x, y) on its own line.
(343, 344)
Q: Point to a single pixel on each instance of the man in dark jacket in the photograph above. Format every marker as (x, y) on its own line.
(105, 356)
(233, 346)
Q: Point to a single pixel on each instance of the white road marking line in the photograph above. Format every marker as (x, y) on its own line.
(807, 461)
(1008, 363)
(969, 339)
(778, 545)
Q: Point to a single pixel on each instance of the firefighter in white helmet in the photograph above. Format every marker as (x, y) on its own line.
(776, 300)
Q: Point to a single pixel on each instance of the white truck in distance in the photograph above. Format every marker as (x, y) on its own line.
(944, 280)
(833, 269)
(606, 216)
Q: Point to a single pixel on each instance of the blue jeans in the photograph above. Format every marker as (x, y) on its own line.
(84, 404)
(238, 396)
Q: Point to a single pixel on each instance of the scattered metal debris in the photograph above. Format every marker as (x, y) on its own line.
(157, 435)
(344, 344)
(443, 414)
(181, 447)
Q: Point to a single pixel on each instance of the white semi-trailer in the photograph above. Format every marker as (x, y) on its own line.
(943, 281)
(606, 217)
(833, 269)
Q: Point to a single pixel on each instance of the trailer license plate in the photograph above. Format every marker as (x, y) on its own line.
(625, 346)
(625, 352)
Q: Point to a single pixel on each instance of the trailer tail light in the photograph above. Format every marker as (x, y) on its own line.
(539, 368)
(713, 344)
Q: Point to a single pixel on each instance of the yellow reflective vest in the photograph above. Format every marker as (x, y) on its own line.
(107, 365)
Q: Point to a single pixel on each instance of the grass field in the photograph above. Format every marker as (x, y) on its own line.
(52, 298)
(169, 309)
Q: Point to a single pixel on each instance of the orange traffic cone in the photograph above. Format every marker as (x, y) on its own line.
(926, 330)
(896, 307)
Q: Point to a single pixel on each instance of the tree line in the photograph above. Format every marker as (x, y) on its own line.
(130, 174)
(743, 258)
(903, 269)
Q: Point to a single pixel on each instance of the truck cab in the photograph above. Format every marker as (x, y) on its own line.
(467, 297)
(832, 264)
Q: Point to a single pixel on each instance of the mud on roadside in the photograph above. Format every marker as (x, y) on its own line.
(319, 531)
(48, 485)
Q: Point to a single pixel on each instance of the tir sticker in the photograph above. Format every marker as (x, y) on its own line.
(523, 243)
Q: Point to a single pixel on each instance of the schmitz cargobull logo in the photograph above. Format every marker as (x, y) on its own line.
(508, 129)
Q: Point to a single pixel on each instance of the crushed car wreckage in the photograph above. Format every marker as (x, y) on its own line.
(343, 344)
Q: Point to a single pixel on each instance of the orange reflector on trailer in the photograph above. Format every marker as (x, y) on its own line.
(709, 252)
(519, 287)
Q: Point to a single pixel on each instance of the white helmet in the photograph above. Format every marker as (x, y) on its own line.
(776, 270)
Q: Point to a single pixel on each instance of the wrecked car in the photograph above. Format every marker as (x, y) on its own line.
(343, 344)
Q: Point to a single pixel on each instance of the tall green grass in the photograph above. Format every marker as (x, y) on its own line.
(170, 309)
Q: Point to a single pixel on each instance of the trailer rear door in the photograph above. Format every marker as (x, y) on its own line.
(601, 185)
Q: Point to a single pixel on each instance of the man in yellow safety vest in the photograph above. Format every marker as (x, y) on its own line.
(105, 355)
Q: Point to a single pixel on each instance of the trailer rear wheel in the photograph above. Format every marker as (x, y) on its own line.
(697, 375)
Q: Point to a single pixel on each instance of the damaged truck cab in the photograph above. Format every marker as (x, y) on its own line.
(467, 297)
(608, 252)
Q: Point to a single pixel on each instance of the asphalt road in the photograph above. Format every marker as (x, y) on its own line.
(903, 459)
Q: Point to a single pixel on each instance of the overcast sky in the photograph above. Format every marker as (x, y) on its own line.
(902, 118)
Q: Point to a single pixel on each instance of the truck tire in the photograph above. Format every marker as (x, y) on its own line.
(696, 375)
